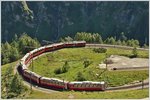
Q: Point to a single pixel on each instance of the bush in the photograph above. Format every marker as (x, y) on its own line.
(64, 69)
(57, 71)
(134, 53)
(99, 50)
(86, 63)
(80, 77)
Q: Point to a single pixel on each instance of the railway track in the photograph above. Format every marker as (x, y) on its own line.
(129, 87)
(114, 46)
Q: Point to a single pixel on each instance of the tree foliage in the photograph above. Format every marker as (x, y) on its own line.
(80, 77)
(12, 85)
(86, 63)
(99, 50)
(62, 69)
(88, 37)
(134, 53)
(13, 51)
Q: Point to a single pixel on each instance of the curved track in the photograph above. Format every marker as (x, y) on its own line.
(127, 87)
(114, 46)
(139, 85)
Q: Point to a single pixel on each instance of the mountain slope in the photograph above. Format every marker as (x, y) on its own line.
(52, 20)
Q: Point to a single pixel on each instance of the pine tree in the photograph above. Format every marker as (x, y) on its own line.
(80, 77)
(122, 36)
(119, 42)
(112, 41)
(134, 52)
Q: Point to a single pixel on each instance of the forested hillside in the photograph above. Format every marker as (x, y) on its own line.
(53, 20)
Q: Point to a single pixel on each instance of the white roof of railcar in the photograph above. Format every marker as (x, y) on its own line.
(24, 67)
(49, 46)
(56, 79)
(47, 78)
(98, 82)
(37, 49)
(27, 54)
(55, 44)
(41, 48)
(79, 41)
(53, 79)
(75, 42)
(33, 51)
(35, 74)
(77, 82)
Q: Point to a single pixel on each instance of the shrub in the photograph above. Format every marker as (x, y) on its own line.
(64, 69)
(134, 53)
(57, 71)
(80, 77)
(86, 63)
(99, 50)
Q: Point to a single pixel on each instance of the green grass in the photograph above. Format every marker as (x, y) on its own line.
(130, 94)
(122, 52)
(46, 65)
(4, 67)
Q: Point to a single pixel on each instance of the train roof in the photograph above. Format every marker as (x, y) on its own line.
(99, 82)
(35, 74)
(41, 48)
(47, 78)
(33, 51)
(75, 42)
(49, 46)
(24, 67)
(37, 49)
(77, 82)
(53, 79)
(79, 41)
(56, 79)
(23, 59)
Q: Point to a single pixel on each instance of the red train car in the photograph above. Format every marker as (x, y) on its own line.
(87, 86)
(53, 83)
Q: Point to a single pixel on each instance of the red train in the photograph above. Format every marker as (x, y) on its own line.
(54, 83)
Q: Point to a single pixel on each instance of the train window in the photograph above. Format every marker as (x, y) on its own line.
(100, 85)
(79, 85)
(55, 82)
(94, 85)
(62, 83)
(74, 85)
(91, 85)
(87, 85)
(52, 81)
(59, 83)
(97, 85)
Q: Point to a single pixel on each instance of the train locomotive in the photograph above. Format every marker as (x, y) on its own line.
(54, 83)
